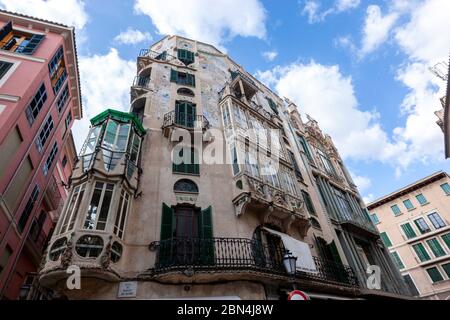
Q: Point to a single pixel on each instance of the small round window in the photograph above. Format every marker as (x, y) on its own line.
(89, 246)
(57, 249)
(116, 252)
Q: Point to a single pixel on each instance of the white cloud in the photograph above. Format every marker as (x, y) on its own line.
(358, 134)
(105, 83)
(343, 5)
(201, 20)
(368, 198)
(132, 36)
(423, 40)
(313, 9)
(363, 183)
(376, 29)
(71, 12)
(270, 55)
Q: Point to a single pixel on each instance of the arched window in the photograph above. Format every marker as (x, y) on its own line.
(186, 92)
(185, 185)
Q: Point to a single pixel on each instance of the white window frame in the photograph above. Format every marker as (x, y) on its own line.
(10, 71)
(100, 205)
(400, 258)
(120, 213)
(414, 281)
(72, 214)
(438, 267)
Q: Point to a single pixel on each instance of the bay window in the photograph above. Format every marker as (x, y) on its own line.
(71, 212)
(122, 212)
(99, 206)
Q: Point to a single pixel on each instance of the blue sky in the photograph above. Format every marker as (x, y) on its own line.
(358, 67)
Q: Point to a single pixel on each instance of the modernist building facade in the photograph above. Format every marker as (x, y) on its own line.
(209, 187)
(39, 99)
(415, 225)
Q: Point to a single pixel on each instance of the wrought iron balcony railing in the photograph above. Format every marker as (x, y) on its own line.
(185, 120)
(163, 56)
(140, 81)
(236, 254)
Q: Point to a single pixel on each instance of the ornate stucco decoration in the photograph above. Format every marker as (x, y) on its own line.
(66, 257)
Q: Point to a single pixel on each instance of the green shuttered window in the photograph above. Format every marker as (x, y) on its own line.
(186, 56)
(398, 262)
(421, 252)
(436, 247)
(435, 274)
(384, 237)
(409, 231)
(182, 78)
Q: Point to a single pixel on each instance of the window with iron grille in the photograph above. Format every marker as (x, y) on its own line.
(4, 68)
(51, 157)
(36, 104)
(28, 209)
(44, 133)
(63, 98)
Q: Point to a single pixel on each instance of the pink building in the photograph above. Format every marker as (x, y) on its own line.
(39, 100)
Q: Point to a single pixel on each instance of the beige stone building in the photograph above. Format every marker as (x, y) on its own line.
(250, 188)
(414, 223)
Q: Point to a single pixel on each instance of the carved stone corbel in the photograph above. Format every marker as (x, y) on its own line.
(66, 257)
(241, 204)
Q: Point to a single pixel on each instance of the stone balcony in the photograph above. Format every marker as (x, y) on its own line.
(271, 205)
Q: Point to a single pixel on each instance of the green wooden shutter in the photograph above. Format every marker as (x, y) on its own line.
(190, 115)
(166, 222)
(180, 113)
(446, 238)
(206, 237)
(33, 44)
(179, 168)
(258, 249)
(190, 79)
(386, 241)
(166, 244)
(335, 252)
(173, 75)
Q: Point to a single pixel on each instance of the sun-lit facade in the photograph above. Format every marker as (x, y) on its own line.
(211, 186)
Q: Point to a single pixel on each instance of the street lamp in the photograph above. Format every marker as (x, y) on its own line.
(290, 263)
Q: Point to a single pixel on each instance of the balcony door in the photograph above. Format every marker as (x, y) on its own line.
(185, 114)
(186, 236)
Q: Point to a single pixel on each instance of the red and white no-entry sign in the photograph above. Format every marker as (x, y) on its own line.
(298, 295)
